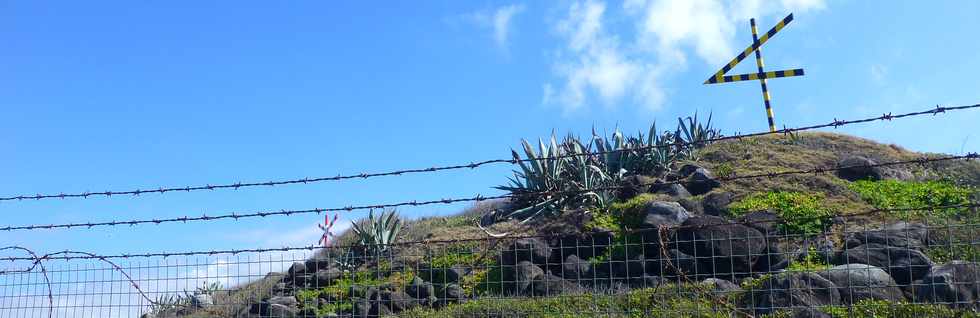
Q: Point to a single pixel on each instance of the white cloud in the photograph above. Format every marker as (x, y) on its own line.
(502, 21)
(498, 21)
(596, 62)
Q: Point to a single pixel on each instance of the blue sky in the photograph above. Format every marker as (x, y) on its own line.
(120, 95)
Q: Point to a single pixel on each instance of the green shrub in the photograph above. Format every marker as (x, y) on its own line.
(802, 213)
(489, 283)
(893, 194)
(811, 263)
(958, 249)
(880, 309)
(753, 283)
(725, 170)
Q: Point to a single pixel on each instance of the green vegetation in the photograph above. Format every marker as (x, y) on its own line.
(665, 301)
(375, 235)
(958, 249)
(893, 194)
(811, 263)
(802, 213)
(753, 283)
(350, 285)
(488, 281)
(724, 170)
(170, 303)
(957, 241)
(575, 168)
(882, 309)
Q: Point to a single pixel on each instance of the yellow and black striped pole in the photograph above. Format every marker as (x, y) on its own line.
(756, 46)
(758, 62)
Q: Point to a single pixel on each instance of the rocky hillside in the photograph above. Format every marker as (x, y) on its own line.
(687, 240)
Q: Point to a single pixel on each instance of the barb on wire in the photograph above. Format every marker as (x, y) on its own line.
(679, 144)
(54, 256)
(237, 216)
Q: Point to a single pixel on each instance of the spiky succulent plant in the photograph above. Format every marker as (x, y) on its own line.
(376, 234)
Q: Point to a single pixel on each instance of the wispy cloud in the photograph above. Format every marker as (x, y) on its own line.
(596, 62)
(498, 21)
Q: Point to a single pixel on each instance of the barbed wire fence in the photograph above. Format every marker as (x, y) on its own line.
(714, 269)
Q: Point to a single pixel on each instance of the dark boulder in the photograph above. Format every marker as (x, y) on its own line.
(526, 249)
(421, 290)
(956, 283)
(627, 266)
(691, 205)
(765, 221)
(297, 268)
(854, 168)
(772, 259)
(550, 285)
(646, 281)
(442, 275)
(905, 265)
(716, 203)
(663, 213)
(326, 277)
(362, 307)
(319, 262)
(672, 189)
(719, 246)
(900, 234)
(686, 170)
(450, 293)
(792, 290)
(675, 263)
(288, 301)
(701, 181)
(517, 278)
(857, 282)
(574, 268)
(277, 310)
(398, 301)
(635, 185)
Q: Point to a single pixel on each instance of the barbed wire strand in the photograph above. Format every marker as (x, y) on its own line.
(677, 144)
(477, 198)
(971, 204)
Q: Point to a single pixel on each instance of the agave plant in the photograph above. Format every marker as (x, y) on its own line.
(695, 135)
(541, 172)
(591, 186)
(615, 155)
(376, 234)
(562, 176)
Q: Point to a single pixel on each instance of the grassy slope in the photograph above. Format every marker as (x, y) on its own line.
(777, 153)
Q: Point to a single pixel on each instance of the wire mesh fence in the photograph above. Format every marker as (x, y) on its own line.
(911, 263)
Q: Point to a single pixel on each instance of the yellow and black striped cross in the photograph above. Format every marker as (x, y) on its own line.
(762, 75)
